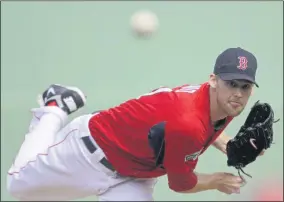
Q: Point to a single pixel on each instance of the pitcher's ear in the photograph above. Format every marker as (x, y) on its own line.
(213, 80)
(252, 91)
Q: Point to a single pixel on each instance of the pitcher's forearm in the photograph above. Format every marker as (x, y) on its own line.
(204, 182)
(221, 142)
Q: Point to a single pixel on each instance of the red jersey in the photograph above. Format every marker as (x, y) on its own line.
(122, 133)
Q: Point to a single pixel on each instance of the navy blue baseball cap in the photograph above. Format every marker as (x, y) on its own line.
(236, 64)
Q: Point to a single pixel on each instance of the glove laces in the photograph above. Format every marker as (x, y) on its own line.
(240, 169)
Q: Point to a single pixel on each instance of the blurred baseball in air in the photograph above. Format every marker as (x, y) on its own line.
(144, 23)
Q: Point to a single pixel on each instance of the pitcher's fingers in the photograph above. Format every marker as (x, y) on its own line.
(231, 190)
(235, 179)
(237, 191)
(261, 153)
(244, 182)
(234, 190)
(228, 174)
(235, 186)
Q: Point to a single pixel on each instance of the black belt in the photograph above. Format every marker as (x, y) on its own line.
(92, 148)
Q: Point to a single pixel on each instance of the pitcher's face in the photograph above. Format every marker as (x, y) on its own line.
(233, 95)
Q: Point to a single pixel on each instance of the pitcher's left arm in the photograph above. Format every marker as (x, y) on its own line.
(221, 142)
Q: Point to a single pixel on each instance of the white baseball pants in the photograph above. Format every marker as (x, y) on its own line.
(53, 164)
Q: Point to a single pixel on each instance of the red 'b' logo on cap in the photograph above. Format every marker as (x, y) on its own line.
(243, 63)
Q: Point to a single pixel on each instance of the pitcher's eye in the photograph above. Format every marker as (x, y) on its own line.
(232, 84)
(246, 86)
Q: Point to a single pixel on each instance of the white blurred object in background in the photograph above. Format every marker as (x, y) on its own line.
(144, 23)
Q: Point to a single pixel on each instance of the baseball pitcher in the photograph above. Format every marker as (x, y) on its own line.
(117, 154)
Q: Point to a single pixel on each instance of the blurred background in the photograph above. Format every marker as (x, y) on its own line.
(91, 45)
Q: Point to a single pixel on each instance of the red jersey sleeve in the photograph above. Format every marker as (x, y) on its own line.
(182, 147)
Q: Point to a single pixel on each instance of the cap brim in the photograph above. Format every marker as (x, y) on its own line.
(234, 76)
